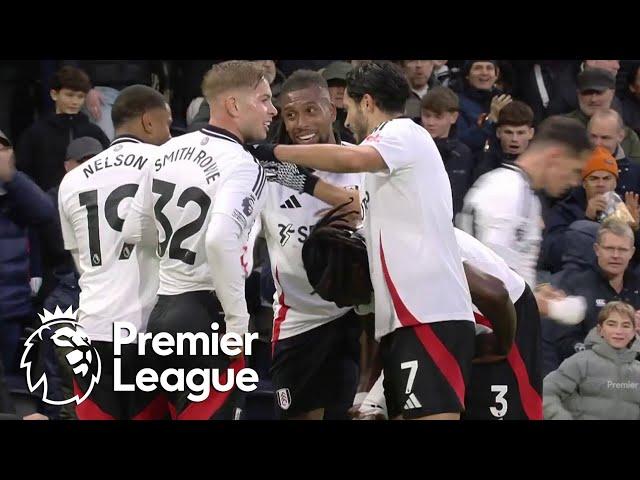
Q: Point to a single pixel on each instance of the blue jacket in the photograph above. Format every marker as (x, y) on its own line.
(22, 206)
(628, 177)
(473, 103)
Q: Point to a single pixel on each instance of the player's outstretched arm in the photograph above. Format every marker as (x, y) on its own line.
(328, 158)
(489, 294)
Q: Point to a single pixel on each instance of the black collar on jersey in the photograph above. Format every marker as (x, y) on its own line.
(220, 133)
(124, 139)
(382, 124)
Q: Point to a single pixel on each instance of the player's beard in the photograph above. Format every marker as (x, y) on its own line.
(359, 127)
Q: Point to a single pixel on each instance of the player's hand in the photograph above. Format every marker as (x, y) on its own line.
(7, 164)
(300, 179)
(545, 293)
(94, 102)
(631, 201)
(498, 103)
(264, 152)
(595, 205)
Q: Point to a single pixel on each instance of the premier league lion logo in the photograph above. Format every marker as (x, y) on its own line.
(66, 333)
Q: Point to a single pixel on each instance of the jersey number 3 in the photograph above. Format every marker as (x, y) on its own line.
(500, 400)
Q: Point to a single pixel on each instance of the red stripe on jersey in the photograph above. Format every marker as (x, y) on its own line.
(529, 397)
(531, 401)
(207, 408)
(446, 362)
(155, 410)
(243, 263)
(482, 320)
(88, 409)
(282, 315)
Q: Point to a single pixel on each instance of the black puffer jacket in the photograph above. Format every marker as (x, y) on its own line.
(42, 148)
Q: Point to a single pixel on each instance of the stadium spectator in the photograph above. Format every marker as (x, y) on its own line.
(513, 133)
(421, 79)
(603, 381)
(440, 108)
(480, 103)
(609, 279)
(534, 84)
(607, 130)
(563, 90)
(41, 150)
(599, 176)
(109, 77)
(442, 72)
(336, 76)
(631, 99)
(22, 205)
(596, 89)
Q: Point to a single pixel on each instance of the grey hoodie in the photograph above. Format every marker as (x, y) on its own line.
(599, 383)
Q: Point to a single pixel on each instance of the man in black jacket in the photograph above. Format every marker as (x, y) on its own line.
(41, 151)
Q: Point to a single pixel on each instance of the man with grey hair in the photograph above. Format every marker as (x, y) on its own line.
(609, 279)
(606, 129)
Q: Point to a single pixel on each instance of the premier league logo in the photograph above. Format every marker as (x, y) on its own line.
(82, 356)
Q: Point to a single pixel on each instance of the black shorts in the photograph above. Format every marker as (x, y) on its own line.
(426, 368)
(511, 389)
(318, 369)
(103, 402)
(192, 312)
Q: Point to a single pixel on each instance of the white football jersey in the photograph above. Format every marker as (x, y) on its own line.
(182, 193)
(287, 220)
(118, 281)
(415, 263)
(503, 212)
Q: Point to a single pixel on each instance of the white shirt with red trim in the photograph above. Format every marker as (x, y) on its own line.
(415, 263)
(287, 220)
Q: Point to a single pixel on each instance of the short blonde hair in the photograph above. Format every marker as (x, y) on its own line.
(231, 74)
(621, 308)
